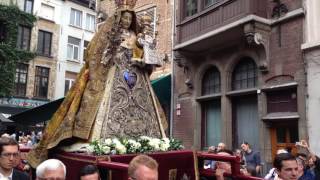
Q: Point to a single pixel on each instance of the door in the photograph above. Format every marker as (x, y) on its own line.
(284, 136)
(246, 122)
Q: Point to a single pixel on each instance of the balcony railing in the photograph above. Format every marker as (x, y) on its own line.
(215, 16)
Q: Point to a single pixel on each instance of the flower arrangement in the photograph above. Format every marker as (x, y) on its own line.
(142, 144)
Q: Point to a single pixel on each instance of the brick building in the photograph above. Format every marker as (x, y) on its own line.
(239, 74)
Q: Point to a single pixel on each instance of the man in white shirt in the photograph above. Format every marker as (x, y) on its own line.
(10, 158)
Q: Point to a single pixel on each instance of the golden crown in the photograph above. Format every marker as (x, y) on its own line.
(125, 4)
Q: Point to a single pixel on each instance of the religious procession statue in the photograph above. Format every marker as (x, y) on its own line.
(112, 96)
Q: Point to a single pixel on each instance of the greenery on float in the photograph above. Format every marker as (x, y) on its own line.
(143, 144)
(11, 17)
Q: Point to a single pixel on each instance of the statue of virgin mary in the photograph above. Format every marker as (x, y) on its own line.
(112, 96)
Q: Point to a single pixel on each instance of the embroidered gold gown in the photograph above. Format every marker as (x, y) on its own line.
(109, 99)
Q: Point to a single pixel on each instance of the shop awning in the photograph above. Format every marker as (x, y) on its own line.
(162, 88)
(38, 114)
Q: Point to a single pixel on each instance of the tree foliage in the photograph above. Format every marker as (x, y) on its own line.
(10, 18)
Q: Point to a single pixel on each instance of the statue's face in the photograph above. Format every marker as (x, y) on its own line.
(126, 20)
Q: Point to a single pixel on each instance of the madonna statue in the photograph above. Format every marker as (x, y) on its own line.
(112, 96)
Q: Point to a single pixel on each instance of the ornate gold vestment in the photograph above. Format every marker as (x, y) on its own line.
(102, 102)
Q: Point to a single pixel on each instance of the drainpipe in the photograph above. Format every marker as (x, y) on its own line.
(172, 68)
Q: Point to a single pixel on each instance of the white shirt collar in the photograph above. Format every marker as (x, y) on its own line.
(9, 177)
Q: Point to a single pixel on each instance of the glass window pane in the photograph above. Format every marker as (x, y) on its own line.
(72, 16)
(88, 22)
(213, 123)
(47, 44)
(211, 81)
(294, 134)
(28, 6)
(244, 75)
(191, 7)
(74, 41)
(69, 51)
(40, 42)
(281, 135)
(76, 52)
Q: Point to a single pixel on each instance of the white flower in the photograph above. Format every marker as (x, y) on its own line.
(116, 141)
(90, 149)
(108, 142)
(155, 144)
(165, 144)
(166, 140)
(106, 149)
(121, 149)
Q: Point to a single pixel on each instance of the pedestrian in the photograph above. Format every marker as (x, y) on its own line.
(286, 166)
(143, 167)
(9, 159)
(51, 169)
(252, 157)
(89, 172)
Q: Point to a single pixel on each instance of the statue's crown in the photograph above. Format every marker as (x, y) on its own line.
(125, 4)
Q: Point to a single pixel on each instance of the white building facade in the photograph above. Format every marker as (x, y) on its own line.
(78, 23)
(311, 50)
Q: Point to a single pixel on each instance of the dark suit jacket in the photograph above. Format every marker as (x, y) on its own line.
(19, 175)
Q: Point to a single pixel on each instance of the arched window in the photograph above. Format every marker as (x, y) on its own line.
(244, 75)
(211, 83)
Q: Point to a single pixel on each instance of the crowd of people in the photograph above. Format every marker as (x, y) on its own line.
(25, 139)
(142, 167)
(304, 165)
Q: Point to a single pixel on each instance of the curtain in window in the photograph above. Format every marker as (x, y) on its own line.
(213, 123)
(247, 122)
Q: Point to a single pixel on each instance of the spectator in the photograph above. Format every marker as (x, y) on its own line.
(223, 167)
(272, 174)
(239, 153)
(51, 169)
(143, 167)
(286, 166)
(252, 157)
(209, 164)
(89, 172)
(9, 158)
(5, 135)
(303, 157)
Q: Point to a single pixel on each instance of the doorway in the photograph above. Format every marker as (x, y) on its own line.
(284, 136)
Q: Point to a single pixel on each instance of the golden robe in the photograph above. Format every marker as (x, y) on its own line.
(100, 102)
